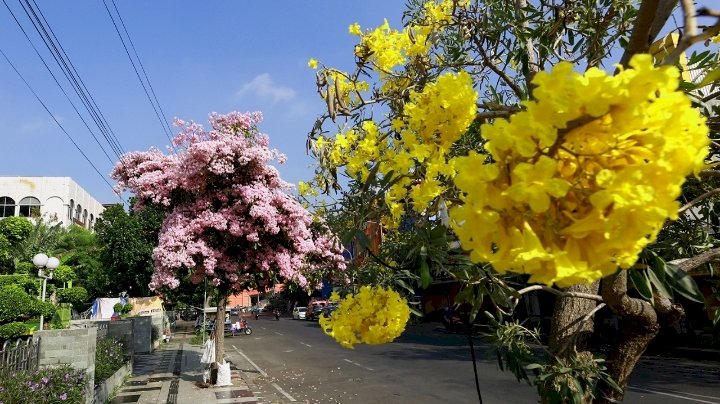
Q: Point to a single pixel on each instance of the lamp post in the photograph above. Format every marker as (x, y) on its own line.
(41, 261)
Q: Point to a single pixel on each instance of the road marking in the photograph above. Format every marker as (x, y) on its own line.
(307, 345)
(262, 372)
(278, 333)
(357, 364)
(283, 392)
(676, 396)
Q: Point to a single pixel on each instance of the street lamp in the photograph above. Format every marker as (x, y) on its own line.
(41, 261)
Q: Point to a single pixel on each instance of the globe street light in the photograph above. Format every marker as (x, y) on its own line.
(41, 261)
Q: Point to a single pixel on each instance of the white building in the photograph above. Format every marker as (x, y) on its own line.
(50, 197)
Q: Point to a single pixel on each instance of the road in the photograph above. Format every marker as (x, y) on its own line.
(292, 360)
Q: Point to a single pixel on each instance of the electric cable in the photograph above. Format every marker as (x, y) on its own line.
(157, 109)
(37, 97)
(52, 43)
(37, 52)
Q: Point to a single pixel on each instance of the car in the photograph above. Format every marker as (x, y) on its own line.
(328, 310)
(314, 313)
(299, 313)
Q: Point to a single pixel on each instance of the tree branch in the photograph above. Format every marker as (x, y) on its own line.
(664, 11)
(640, 37)
(691, 36)
(689, 264)
(614, 293)
(560, 292)
(697, 200)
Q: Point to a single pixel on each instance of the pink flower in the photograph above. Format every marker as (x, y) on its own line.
(230, 219)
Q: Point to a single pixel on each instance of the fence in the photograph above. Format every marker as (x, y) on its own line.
(20, 355)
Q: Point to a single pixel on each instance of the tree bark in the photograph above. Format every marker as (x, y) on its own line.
(570, 331)
(220, 329)
(639, 326)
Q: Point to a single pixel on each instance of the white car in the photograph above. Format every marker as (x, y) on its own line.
(299, 313)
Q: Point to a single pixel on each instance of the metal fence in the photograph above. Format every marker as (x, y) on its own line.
(21, 354)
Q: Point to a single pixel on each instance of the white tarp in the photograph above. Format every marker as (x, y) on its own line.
(102, 308)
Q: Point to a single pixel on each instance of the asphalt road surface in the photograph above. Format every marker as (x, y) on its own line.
(293, 361)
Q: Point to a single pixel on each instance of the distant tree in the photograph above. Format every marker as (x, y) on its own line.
(231, 220)
(43, 237)
(127, 240)
(13, 230)
(78, 249)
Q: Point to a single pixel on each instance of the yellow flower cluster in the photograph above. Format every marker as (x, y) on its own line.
(584, 178)
(387, 48)
(372, 316)
(432, 121)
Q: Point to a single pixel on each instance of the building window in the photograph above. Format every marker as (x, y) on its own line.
(70, 210)
(7, 206)
(78, 213)
(92, 221)
(85, 215)
(29, 207)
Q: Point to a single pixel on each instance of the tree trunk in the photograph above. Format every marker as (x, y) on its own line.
(639, 326)
(571, 330)
(634, 339)
(220, 329)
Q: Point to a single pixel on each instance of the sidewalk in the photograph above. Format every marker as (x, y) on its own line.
(169, 375)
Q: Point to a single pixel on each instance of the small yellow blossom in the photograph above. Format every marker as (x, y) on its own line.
(312, 63)
(354, 29)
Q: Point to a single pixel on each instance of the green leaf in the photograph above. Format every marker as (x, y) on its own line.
(534, 366)
(425, 277)
(659, 282)
(641, 282)
(711, 77)
(683, 283)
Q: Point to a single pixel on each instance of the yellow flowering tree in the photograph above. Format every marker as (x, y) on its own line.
(556, 145)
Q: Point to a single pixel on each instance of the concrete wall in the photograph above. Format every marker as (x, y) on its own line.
(74, 347)
(142, 334)
(123, 330)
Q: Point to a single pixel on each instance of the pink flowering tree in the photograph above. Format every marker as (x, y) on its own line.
(230, 219)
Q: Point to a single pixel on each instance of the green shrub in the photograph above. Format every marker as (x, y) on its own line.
(15, 303)
(75, 296)
(24, 268)
(110, 355)
(13, 330)
(45, 308)
(123, 309)
(64, 273)
(31, 284)
(47, 385)
(15, 228)
(61, 318)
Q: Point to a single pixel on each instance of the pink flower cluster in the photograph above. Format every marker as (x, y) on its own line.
(230, 218)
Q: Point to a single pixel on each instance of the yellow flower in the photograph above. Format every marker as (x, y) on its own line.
(312, 63)
(372, 316)
(354, 29)
(582, 179)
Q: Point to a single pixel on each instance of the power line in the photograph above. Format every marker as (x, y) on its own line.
(158, 109)
(37, 52)
(58, 52)
(37, 97)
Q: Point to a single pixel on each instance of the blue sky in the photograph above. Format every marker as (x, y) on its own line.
(201, 57)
